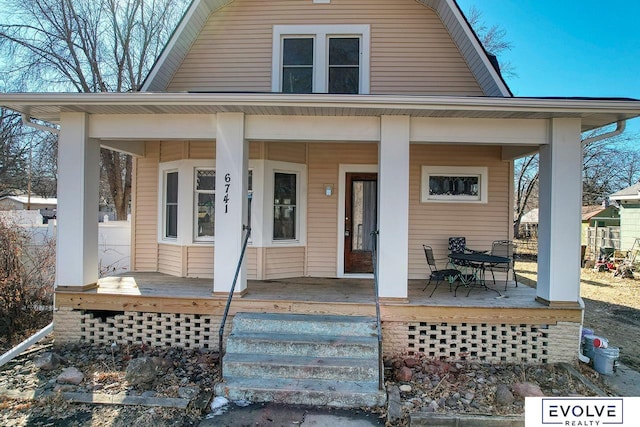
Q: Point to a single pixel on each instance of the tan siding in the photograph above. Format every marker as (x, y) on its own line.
(173, 150)
(145, 210)
(170, 259)
(202, 150)
(252, 257)
(434, 223)
(287, 152)
(200, 261)
(284, 262)
(324, 161)
(411, 51)
(255, 149)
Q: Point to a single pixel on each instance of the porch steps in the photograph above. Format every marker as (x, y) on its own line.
(302, 359)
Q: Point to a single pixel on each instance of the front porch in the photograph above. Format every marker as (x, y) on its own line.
(159, 309)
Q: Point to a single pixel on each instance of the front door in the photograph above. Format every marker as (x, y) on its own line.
(361, 218)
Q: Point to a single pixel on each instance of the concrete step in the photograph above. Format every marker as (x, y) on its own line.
(308, 324)
(302, 345)
(300, 367)
(303, 392)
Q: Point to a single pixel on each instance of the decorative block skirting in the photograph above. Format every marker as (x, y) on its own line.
(152, 329)
(448, 341)
(484, 342)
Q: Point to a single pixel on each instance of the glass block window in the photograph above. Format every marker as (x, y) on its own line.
(454, 184)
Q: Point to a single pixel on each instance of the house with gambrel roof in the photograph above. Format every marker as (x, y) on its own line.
(349, 123)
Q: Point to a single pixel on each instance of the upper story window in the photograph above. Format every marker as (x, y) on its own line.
(321, 59)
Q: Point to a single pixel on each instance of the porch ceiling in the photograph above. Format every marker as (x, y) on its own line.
(594, 112)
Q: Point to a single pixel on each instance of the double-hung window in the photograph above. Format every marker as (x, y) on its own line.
(171, 204)
(321, 59)
(205, 196)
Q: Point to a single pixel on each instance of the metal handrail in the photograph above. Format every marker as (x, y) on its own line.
(374, 257)
(246, 228)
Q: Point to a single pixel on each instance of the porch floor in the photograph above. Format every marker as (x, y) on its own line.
(156, 292)
(327, 290)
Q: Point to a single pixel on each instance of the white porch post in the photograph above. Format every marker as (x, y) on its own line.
(78, 178)
(560, 203)
(232, 151)
(393, 206)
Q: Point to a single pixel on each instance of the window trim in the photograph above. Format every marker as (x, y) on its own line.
(321, 35)
(481, 172)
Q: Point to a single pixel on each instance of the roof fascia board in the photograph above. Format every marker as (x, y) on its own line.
(460, 23)
(155, 81)
(592, 105)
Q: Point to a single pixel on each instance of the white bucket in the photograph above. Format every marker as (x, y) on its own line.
(605, 360)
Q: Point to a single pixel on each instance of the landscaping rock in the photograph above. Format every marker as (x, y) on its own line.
(48, 361)
(527, 389)
(70, 376)
(404, 374)
(141, 371)
(394, 407)
(504, 395)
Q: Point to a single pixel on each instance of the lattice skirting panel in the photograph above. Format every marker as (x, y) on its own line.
(152, 329)
(485, 342)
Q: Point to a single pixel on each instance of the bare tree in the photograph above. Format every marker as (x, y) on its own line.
(493, 38)
(88, 46)
(526, 186)
(13, 154)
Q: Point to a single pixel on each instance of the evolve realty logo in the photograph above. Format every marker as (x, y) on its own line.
(582, 411)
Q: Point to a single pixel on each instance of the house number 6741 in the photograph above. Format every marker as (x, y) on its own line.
(227, 185)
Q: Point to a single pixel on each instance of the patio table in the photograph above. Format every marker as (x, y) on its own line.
(478, 262)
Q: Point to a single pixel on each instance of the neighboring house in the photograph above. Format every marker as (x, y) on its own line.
(600, 230)
(529, 224)
(629, 201)
(25, 202)
(341, 118)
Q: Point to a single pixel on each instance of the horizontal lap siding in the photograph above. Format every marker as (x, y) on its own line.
(294, 152)
(411, 51)
(200, 261)
(173, 150)
(284, 262)
(434, 223)
(170, 259)
(145, 210)
(202, 150)
(322, 217)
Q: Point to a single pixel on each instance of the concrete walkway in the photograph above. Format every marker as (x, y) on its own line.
(272, 414)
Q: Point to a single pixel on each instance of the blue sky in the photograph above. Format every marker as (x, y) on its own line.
(569, 47)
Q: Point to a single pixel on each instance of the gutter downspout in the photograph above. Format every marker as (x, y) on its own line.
(26, 120)
(620, 127)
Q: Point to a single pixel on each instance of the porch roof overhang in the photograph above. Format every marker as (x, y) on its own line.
(594, 112)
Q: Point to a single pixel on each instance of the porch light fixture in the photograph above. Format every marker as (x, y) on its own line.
(328, 190)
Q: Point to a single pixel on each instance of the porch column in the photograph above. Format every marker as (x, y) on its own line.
(232, 151)
(77, 212)
(393, 206)
(560, 203)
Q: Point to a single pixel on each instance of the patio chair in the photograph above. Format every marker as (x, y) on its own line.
(507, 249)
(458, 245)
(448, 274)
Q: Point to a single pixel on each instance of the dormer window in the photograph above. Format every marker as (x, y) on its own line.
(321, 59)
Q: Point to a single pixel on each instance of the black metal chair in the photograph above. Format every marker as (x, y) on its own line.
(448, 274)
(506, 249)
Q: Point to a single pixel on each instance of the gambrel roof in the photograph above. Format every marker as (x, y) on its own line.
(452, 17)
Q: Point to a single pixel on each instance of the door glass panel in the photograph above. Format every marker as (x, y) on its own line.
(364, 215)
